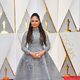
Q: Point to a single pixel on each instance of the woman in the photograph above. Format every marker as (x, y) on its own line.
(36, 64)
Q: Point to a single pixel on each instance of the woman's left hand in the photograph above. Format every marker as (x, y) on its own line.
(40, 54)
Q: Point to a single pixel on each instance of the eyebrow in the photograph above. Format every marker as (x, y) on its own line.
(34, 20)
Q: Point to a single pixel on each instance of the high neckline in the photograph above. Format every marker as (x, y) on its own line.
(35, 29)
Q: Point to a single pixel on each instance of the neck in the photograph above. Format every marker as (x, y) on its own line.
(36, 28)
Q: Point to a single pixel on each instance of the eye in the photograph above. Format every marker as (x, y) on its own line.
(36, 21)
(32, 21)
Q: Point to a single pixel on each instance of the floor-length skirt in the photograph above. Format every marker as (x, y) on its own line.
(37, 69)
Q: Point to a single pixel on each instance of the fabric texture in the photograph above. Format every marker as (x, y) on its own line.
(36, 69)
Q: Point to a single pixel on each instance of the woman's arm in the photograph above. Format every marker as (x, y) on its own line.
(24, 47)
(23, 44)
(47, 46)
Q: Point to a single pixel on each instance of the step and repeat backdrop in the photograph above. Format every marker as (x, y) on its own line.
(60, 19)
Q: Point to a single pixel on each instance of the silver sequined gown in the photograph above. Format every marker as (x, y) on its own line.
(36, 69)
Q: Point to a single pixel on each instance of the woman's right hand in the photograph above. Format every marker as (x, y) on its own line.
(33, 55)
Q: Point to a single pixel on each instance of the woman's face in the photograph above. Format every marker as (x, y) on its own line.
(35, 22)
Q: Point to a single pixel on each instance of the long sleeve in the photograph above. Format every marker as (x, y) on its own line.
(24, 45)
(47, 47)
